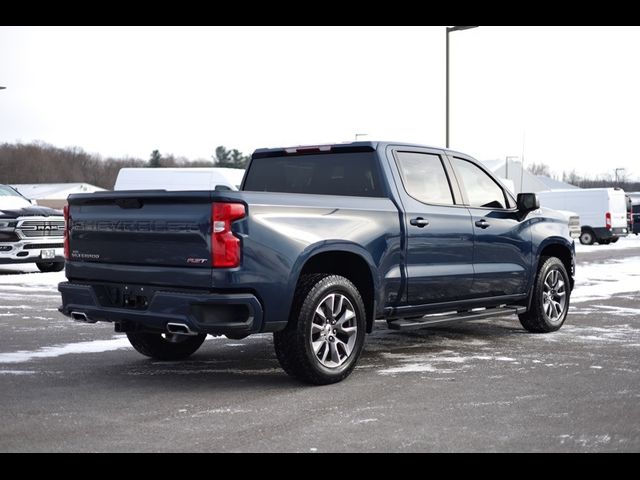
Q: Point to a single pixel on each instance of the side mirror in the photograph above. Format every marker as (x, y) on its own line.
(527, 202)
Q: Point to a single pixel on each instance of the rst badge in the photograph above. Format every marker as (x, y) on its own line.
(197, 261)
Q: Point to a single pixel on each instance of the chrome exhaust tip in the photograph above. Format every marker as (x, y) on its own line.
(81, 317)
(180, 329)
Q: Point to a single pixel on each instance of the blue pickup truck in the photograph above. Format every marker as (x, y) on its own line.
(318, 243)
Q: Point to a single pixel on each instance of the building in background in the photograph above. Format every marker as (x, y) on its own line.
(53, 195)
(520, 180)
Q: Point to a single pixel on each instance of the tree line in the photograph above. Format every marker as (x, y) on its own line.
(602, 181)
(39, 162)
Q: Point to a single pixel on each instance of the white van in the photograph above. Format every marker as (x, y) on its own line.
(602, 211)
(176, 179)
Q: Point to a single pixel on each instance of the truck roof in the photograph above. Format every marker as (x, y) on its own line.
(361, 146)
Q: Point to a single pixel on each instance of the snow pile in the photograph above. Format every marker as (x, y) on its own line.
(597, 281)
(632, 241)
(28, 274)
(95, 346)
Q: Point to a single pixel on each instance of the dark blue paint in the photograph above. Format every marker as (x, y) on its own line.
(145, 238)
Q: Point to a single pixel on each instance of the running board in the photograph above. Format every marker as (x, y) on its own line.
(440, 319)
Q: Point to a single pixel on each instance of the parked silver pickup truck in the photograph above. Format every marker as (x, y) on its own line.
(30, 234)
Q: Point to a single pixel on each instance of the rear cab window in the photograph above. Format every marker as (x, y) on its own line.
(351, 174)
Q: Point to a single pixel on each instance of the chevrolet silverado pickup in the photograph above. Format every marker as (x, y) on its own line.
(318, 244)
(30, 234)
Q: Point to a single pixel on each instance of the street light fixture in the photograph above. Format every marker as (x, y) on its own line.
(451, 29)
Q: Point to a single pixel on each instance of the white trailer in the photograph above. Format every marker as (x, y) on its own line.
(179, 179)
(602, 211)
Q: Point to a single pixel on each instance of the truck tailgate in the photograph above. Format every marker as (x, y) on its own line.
(153, 229)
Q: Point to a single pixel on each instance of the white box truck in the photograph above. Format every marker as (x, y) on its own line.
(602, 211)
(175, 179)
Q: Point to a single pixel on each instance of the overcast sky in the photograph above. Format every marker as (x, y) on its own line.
(569, 95)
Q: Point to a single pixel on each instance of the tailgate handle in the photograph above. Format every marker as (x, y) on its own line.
(129, 203)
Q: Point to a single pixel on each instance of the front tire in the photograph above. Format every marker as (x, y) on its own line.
(165, 346)
(325, 334)
(550, 302)
(46, 267)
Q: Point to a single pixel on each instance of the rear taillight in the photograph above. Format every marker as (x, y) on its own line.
(67, 227)
(607, 220)
(225, 246)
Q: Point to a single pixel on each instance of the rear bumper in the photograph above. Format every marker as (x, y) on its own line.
(234, 314)
(605, 234)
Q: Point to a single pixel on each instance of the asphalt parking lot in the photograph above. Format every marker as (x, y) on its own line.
(477, 386)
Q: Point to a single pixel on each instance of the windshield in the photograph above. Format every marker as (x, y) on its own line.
(6, 191)
(10, 199)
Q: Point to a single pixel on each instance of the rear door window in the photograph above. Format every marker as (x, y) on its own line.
(424, 177)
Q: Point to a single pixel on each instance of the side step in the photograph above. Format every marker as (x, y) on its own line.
(444, 318)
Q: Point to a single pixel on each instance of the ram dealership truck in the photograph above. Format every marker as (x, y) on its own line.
(317, 244)
(30, 233)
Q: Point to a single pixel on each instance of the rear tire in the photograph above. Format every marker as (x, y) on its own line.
(550, 302)
(50, 266)
(325, 334)
(167, 346)
(587, 237)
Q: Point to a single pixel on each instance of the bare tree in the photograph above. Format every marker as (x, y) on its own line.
(39, 162)
(539, 169)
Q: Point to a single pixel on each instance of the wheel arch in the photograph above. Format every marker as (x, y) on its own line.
(348, 260)
(557, 247)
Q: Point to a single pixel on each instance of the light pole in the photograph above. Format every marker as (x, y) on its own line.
(451, 29)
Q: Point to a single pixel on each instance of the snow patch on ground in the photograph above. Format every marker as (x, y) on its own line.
(413, 368)
(17, 372)
(429, 363)
(624, 334)
(631, 241)
(364, 420)
(28, 275)
(586, 440)
(596, 281)
(95, 346)
(619, 311)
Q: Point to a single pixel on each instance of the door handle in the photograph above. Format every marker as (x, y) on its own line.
(419, 222)
(482, 223)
